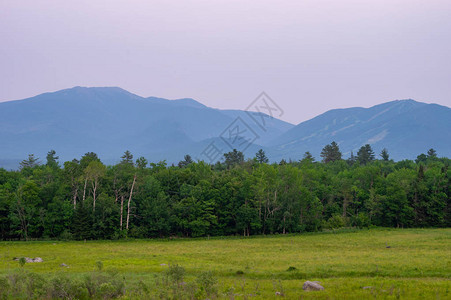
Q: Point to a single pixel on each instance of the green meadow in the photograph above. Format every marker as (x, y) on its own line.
(389, 263)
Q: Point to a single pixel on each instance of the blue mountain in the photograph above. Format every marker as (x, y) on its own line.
(110, 120)
(405, 127)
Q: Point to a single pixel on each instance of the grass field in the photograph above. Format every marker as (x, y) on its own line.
(416, 266)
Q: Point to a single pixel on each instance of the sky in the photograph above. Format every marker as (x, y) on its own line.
(309, 56)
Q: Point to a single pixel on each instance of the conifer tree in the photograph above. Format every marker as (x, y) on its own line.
(331, 153)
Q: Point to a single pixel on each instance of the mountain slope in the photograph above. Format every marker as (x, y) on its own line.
(405, 127)
(109, 121)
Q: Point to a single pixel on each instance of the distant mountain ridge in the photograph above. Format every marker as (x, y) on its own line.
(405, 127)
(110, 120)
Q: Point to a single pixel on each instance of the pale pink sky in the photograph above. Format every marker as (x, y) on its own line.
(309, 56)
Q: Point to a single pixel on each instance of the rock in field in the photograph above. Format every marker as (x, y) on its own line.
(31, 260)
(312, 286)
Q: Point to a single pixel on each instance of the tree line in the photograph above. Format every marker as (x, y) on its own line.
(85, 199)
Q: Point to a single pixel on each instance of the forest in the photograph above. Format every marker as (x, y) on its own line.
(85, 199)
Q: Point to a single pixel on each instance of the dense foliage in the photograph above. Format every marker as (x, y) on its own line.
(87, 200)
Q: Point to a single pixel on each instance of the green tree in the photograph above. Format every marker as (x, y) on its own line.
(395, 209)
(331, 153)
(422, 158)
(25, 210)
(30, 162)
(141, 163)
(352, 159)
(52, 159)
(72, 173)
(233, 158)
(87, 158)
(81, 224)
(432, 153)
(384, 155)
(127, 158)
(186, 161)
(260, 157)
(365, 154)
(308, 158)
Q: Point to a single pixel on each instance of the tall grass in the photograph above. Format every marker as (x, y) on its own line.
(416, 265)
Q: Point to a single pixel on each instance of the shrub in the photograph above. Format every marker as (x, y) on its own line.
(99, 265)
(4, 288)
(35, 285)
(362, 220)
(66, 235)
(62, 287)
(207, 283)
(335, 222)
(175, 273)
(22, 261)
(104, 286)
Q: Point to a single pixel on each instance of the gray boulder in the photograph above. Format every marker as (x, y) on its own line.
(312, 286)
(31, 260)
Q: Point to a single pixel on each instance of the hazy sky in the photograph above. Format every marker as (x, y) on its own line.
(308, 55)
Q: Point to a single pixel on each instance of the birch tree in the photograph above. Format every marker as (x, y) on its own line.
(93, 172)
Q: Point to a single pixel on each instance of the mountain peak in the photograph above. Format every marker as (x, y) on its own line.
(183, 102)
(405, 127)
(96, 90)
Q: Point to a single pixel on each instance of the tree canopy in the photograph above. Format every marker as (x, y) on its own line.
(85, 199)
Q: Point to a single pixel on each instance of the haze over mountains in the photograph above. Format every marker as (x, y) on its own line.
(110, 120)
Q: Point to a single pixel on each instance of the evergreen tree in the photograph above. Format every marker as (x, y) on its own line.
(127, 158)
(87, 159)
(233, 158)
(186, 161)
(141, 163)
(308, 158)
(30, 162)
(384, 154)
(81, 224)
(432, 153)
(352, 159)
(422, 158)
(365, 154)
(331, 153)
(260, 157)
(52, 159)
(421, 173)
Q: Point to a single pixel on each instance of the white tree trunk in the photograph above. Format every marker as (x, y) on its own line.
(75, 197)
(84, 189)
(122, 210)
(129, 200)
(94, 189)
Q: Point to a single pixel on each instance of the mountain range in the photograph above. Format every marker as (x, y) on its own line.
(110, 120)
